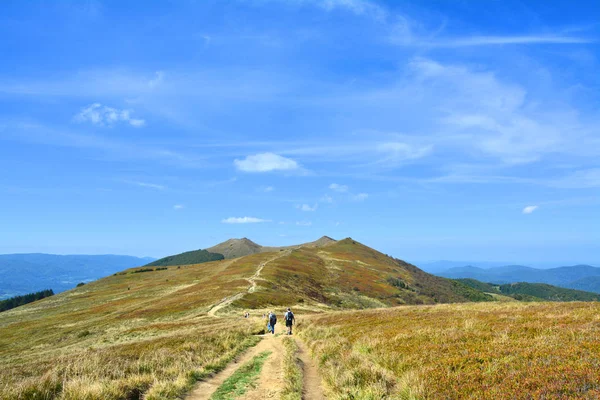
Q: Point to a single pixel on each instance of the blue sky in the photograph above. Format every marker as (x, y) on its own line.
(428, 130)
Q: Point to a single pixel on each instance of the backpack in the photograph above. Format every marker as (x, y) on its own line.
(273, 319)
(289, 316)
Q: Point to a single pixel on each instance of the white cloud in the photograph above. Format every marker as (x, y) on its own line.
(157, 80)
(98, 114)
(178, 207)
(147, 185)
(304, 223)
(243, 220)
(268, 189)
(306, 207)
(482, 113)
(505, 40)
(338, 188)
(265, 162)
(360, 197)
(358, 7)
(327, 199)
(397, 152)
(529, 209)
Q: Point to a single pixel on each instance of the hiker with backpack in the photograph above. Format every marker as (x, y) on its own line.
(272, 322)
(289, 320)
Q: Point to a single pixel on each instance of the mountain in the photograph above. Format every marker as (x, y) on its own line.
(533, 291)
(588, 284)
(150, 335)
(234, 248)
(189, 257)
(434, 267)
(573, 277)
(26, 273)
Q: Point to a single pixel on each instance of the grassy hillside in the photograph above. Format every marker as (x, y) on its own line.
(532, 291)
(189, 257)
(153, 334)
(125, 334)
(466, 351)
(348, 274)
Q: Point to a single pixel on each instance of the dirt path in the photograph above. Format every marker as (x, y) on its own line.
(271, 382)
(206, 388)
(252, 280)
(312, 388)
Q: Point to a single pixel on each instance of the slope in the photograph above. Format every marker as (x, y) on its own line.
(187, 258)
(348, 274)
(532, 291)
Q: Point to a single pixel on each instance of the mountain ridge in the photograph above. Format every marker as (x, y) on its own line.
(575, 277)
(235, 248)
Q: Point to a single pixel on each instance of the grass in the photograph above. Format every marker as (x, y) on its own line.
(246, 376)
(123, 337)
(292, 371)
(466, 351)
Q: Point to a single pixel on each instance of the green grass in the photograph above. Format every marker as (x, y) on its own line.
(245, 377)
(292, 371)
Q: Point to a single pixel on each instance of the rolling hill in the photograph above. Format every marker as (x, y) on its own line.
(151, 335)
(26, 273)
(580, 277)
(189, 257)
(525, 291)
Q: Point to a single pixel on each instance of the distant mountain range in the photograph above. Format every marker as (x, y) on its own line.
(580, 277)
(27, 273)
(524, 291)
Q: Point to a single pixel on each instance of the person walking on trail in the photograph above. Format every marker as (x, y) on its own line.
(272, 321)
(289, 320)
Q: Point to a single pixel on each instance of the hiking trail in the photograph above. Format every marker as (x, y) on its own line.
(270, 383)
(252, 280)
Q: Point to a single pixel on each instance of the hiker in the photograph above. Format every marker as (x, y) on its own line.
(272, 321)
(289, 320)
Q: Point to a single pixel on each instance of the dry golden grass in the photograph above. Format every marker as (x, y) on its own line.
(123, 336)
(467, 351)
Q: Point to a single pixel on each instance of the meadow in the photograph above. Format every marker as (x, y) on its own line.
(124, 336)
(460, 351)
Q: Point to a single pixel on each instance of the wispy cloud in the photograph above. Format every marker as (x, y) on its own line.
(338, 188)
(265, 162)
(360, 197)
(178, 207)
(243, 220)
(326, 199)
(36, 133)
(304, 223)
(504, 40)
(580, 179)
(306, 207)
(147, 185)
(98, 114)
(529, 209)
